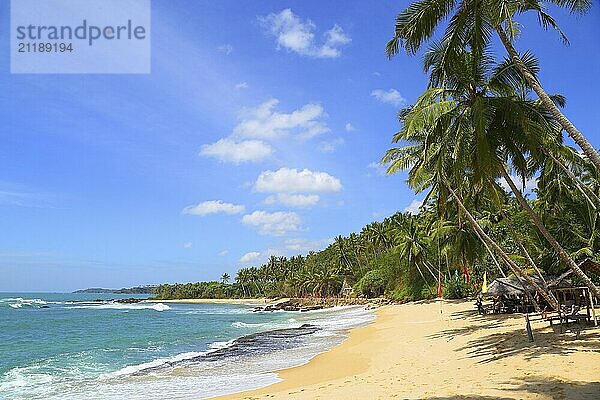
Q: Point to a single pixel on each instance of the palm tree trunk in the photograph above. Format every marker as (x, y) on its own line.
(511, 264)
(573, 132)
(429, 269)
(562, 254)
(530, 262)
(524, 250)
(491, 253)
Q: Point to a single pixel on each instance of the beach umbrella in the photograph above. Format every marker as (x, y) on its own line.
(484, 288)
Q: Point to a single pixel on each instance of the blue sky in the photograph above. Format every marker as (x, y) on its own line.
(120, 180)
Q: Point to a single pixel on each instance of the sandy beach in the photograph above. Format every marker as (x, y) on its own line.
(446, 351)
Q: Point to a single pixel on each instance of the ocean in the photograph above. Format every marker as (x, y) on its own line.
(70, 346)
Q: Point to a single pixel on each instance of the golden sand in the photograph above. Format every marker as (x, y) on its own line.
(414, 351)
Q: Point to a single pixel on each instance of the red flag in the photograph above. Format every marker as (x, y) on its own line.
(439, 283)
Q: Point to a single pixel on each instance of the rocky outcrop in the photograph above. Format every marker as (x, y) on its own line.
(317, 303)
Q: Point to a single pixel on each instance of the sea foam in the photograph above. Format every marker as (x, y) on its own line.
(124, 306)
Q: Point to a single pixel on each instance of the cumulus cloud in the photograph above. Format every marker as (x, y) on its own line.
(293, 246)
(301, 245)
(223, 253)
(293, 200)
(263, 122)
(247, 142)
(330, 146)
(298, 36)
(213, 207)
(241, 85)
(250, 257)
(289, 180)
(229, 150)
(276, 224)
(391, 96)
(188, 245)
(289, 247)
(349, 127)
(414, 207)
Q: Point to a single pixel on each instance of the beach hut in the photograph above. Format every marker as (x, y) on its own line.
(589, 265)
(346, 290)
(512, 294)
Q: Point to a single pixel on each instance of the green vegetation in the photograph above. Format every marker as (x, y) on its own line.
(478, 124)
(132, 290)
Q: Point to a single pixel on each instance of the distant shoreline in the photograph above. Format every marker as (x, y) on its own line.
(257, 301)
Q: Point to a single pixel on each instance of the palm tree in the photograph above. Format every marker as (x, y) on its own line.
(515, 126)
(412, 245)
(458, 130)
(471, 25)
(344, 263)
(225, 277)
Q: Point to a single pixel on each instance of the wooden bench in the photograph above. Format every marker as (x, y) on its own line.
(564, 318)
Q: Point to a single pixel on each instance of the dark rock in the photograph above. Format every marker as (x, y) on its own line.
(130, 300)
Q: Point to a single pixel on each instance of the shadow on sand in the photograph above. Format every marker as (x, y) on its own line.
(497, 345)
(549, 387)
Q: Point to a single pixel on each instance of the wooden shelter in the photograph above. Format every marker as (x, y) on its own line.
(346, 289)
(514, 294)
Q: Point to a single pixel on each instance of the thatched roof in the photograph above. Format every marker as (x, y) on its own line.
(512, 286)
(588, 265)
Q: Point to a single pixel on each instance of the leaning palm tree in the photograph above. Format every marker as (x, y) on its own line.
(508, 126)
(421, 178)
(459, 136)
(471, 25)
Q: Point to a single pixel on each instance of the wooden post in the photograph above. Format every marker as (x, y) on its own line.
(528, 327)
(592, 307)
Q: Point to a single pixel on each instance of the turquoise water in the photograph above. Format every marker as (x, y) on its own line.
(68, 346)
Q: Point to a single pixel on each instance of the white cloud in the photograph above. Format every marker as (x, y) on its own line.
(246, 143)
(290, 247)
(293, 200)
(223, 253)
(530, 184)
(391, 96)
(241, 85)
(225, 48)
(188, 245)
(213, 207)
(414, 207)
(330, 146)
(250, 257)
(277, 224)
(288, 180)
(380, 169)
(349, 127)
(296, 35)
(303, 246)
(263, 122)
(229, 150)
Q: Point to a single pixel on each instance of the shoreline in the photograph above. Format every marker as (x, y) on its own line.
(258, 301)
(414, 351)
